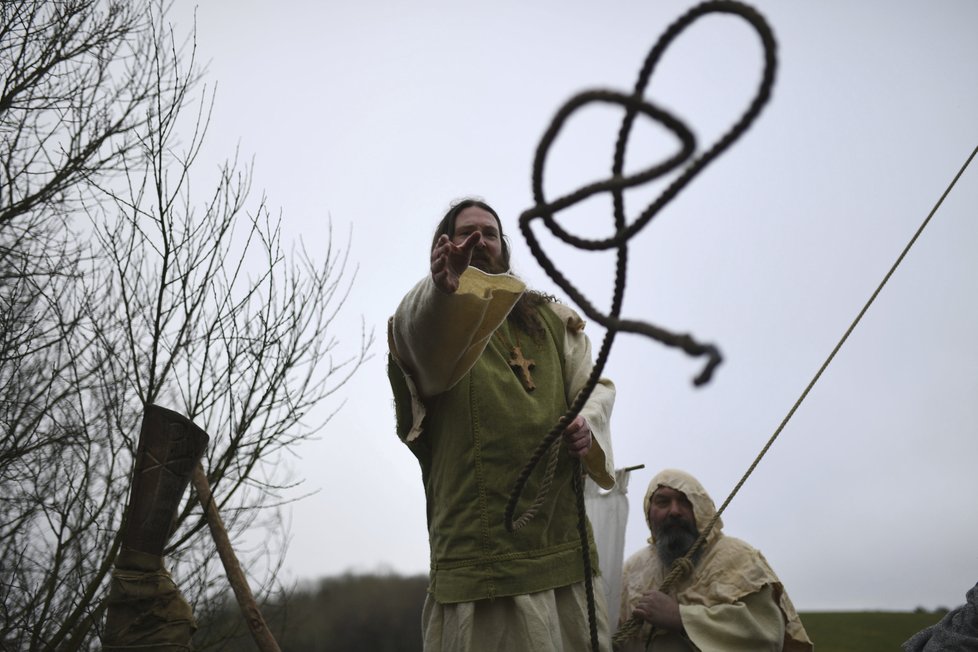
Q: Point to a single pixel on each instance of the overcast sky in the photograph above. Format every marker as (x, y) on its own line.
(376, 115)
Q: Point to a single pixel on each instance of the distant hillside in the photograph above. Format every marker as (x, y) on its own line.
(865, 631)
(382, 613)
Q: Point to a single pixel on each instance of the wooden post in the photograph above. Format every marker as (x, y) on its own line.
(246, 599)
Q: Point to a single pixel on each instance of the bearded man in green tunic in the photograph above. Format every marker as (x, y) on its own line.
(481, 370)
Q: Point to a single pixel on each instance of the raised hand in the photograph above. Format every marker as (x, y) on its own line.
(449, 260)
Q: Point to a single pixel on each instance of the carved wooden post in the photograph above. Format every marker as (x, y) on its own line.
(146, 610)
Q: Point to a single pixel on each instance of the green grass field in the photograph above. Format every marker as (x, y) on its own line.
(870, 631)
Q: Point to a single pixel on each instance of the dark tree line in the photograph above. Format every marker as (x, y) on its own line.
(380, 613)
(121, 287)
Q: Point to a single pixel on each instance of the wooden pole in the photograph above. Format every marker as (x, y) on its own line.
(246, 599)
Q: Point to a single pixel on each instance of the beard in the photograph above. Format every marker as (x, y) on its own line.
(488, 264)
(673, 539)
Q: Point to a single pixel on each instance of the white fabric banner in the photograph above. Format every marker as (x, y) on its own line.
(608, 513)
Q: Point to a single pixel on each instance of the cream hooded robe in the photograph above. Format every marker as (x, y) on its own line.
(732, 602)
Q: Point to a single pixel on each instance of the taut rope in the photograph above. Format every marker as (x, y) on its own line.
(684, 566)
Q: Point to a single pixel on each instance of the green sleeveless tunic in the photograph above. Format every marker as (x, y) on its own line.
(476, 438)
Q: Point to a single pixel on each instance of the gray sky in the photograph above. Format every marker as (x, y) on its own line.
(378, 114)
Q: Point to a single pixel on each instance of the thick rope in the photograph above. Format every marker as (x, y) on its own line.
(582, 532)
(633, 104)
(544, 491)
(684, 566)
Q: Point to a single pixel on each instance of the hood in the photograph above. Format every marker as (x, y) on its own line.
(703, 507)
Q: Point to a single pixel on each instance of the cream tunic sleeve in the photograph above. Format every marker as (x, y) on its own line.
(435, 338)
(599, 461)
(753, 624)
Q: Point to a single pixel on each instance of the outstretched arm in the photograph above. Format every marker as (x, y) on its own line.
(436, 337)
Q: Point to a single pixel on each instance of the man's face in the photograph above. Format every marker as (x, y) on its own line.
(488, 254)
(673, 523)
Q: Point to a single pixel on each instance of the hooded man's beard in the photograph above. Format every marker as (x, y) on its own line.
(673, 539)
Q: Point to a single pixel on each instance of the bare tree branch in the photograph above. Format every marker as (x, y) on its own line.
(119, 287)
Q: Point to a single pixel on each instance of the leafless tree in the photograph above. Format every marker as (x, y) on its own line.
(120, 287)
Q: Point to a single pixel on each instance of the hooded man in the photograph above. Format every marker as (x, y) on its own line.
(732, 601)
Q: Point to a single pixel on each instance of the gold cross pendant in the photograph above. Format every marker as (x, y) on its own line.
(522, 368)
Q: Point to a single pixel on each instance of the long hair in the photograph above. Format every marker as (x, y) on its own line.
(524, 314)
(447, 224)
